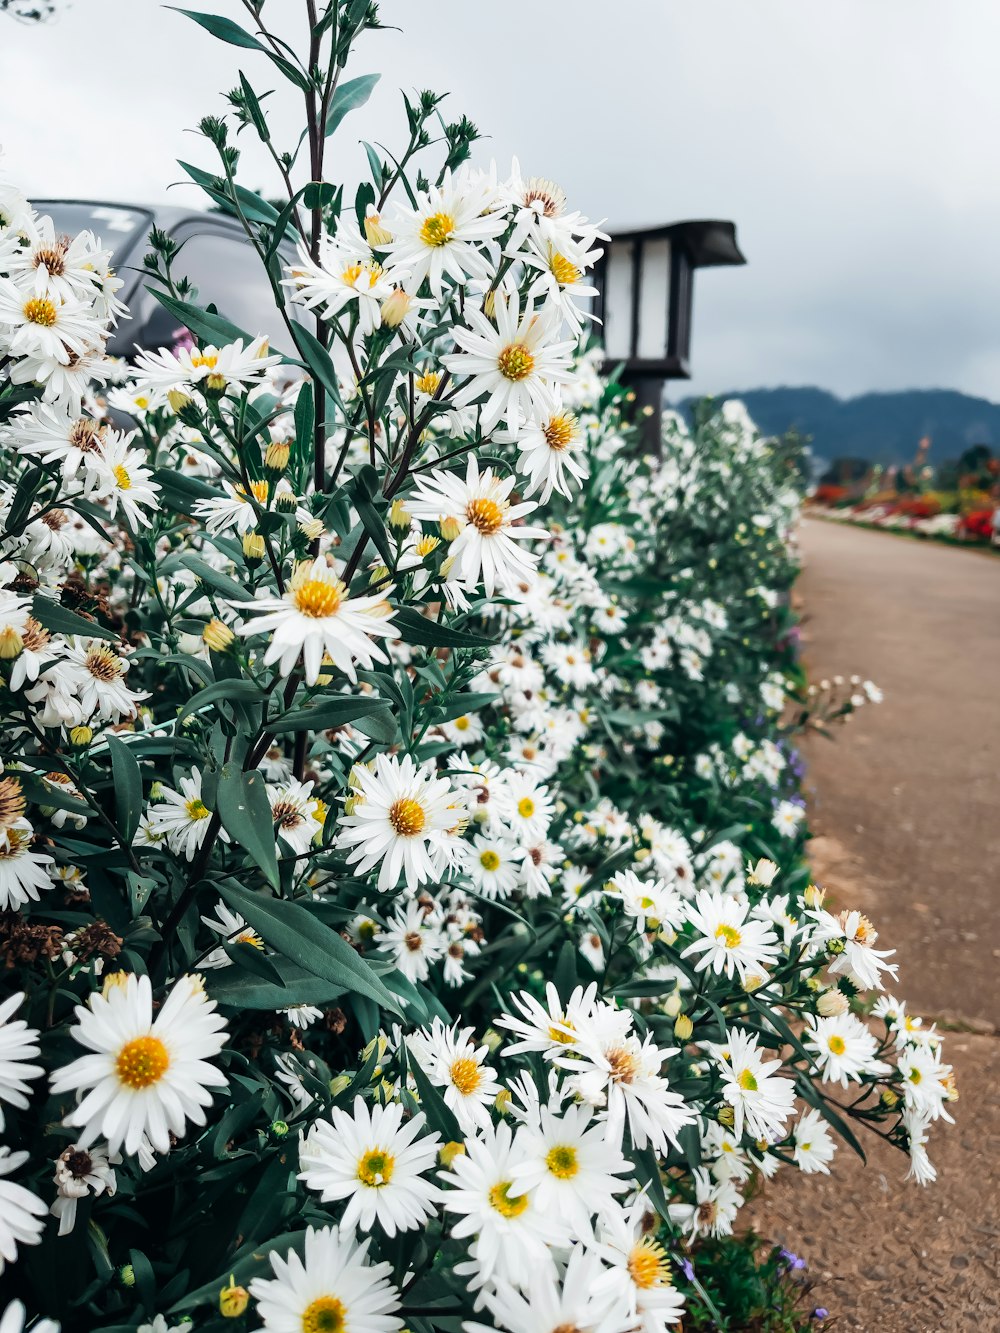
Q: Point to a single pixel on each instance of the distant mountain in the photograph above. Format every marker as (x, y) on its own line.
(883, 427)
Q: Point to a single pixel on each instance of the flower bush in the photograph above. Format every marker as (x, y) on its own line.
(404, 907)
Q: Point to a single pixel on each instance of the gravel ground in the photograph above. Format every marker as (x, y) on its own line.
(904, 804)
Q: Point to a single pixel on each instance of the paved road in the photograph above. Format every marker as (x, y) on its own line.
(906, 800)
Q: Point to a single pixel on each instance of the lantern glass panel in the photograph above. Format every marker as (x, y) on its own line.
(618, 298)
(654, 298)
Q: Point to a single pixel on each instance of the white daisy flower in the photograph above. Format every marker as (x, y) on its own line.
(730, 940)
(509, 1235)
(333, 1286)
(97, 677)
(294, 810)
(516, 363)
(549, 1301)
(316, 618)
(569, 1166)
(80, 1172)
(486, 549)
(714, 1209)
(641, 1268)
(347, 276)
(24, 873)
(233, 929)
(453, 1061)
(374, 1161)
(442, 236)
(182, 817)
(552, 1027)
(855, 936)
(234, 509)
(21, 1212)
(402, 817)
(761, 1100)
(215, 370)
(122, 480)
(146, 1077)
(492, 865)
(18, 1046)
(526, 806)
(845, 1049)
(654, 905)
(414, 940)
(813, 1145)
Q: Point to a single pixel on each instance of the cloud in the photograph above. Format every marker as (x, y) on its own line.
(852, 144)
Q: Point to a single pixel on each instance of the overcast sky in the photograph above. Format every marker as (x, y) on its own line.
(854, 144)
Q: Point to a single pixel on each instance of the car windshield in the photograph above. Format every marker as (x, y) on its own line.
(115, 225)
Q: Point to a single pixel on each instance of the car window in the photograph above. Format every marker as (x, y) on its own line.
(115, 225)
(229, 274)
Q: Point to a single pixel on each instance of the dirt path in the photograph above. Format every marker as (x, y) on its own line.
(906, 808)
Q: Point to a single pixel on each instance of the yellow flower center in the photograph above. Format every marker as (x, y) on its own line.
(258, 489)
(485, 515)
(515, 362)
(563, 1038)
(648, 1265)
(437, 229)
(914, 1076)
(426, 545)
(40, 310)
(351, 274)
(142, 1062)
(197, 809)
(837, 1045)
(103, 664)
(428, 383)
(489, 860)
(204, 362)
(747, 1081)
(525, 807)
(465, 1075)
(324, 1315)
(730, 935)
(506, 1206)
(563, 271)
(461, 723)
(407, 817)
(375, 1168)
(562, 1161)
(623, 1065)
(559, 432)
(318, 598)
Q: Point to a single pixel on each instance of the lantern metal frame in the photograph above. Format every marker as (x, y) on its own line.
(707, 243)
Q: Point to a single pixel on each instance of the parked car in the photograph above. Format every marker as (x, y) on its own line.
(216, 257)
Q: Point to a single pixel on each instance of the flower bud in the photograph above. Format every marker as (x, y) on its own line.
(726, 1116)
(233, 1300)
(503, 1101)
(376, 233)
(492, 1040)
(378, 574)
(683, 1027)
(450, 528)
(889, 1098)
(396, 307)
(832, 1002)
(11, 643)
(81, 736)
(398, 516)
(285, 500)
(339, 1084)
(253, 547)
(276, 455)
(763, 873)
(217, 635)
(178, 400)
(279, 1128)
(754, 981)
(449, 1151)
(672, 1005)
(814, 896)
(126, 1275)
(214, 385)
(312, 528)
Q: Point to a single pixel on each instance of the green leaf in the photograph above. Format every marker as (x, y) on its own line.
(250, 959)
(348, 97)
(240, 991)
(470, 702)
(202, 323)
(252, 206)
(297, 934)
(128, 788)
(305, 422)
(323, 714)
(245, 691)
(246, 816)
(225, 29)
(374, 526)
(415, 628)
(318, 360)
(220, 582)
(59, 619)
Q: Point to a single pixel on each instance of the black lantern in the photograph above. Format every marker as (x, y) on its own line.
(645, 282)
